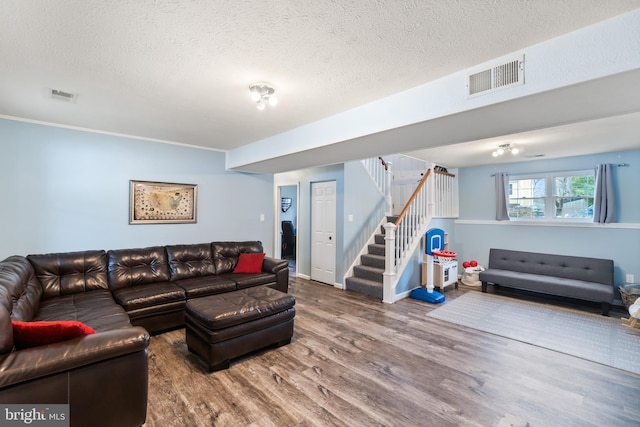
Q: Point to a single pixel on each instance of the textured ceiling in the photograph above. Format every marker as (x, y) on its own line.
(179, 71)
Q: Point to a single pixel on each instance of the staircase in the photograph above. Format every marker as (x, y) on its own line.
(368, 276)
(378, 267)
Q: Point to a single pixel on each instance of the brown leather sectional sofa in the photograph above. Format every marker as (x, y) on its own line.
(123, 295)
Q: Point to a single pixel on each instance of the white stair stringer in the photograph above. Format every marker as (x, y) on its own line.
(364, 251)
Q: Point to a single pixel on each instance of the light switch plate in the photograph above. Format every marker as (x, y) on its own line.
(630, 278)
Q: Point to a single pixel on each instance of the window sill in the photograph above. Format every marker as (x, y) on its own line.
(537, 223)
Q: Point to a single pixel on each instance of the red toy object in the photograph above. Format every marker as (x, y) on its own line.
(466, 264)
(445, 254)
(473, 263)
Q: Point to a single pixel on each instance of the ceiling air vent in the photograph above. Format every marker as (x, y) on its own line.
(496, 76)
(64, 96)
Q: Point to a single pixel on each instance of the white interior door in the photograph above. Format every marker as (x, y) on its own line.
(407, 173)
(323, 226)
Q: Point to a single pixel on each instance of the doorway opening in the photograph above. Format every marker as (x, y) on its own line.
(288, 224)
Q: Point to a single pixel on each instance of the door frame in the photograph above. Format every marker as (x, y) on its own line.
(277, 250)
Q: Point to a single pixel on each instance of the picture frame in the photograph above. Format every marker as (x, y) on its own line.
(285, 203)
(152, 202)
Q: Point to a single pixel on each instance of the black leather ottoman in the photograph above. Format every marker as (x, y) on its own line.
(225, 326)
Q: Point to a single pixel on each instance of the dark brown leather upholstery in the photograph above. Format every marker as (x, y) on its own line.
(225, 326)
(225, 259)
(206, 285)
(186, 261)
(248, 280)
(110, 291)
(226, 254)
(139, 280)
(154, 306)
(20, 294)
(70, 272)
(131, 267)
(94, 308)
(68, 371)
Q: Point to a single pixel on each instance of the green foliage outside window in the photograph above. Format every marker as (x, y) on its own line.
(555, 195)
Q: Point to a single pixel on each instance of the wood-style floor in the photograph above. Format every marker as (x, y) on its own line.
(355, 361)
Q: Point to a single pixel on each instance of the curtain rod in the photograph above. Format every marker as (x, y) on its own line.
(618, 164)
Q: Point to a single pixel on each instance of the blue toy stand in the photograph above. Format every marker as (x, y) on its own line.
(433, 241)
(423, 294)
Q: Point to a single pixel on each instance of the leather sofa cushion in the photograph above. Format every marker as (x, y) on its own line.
(226, 254)
(152, 294)
(20, 294)
(186, 261)
(70, 272)
(96, 309)
(134, 267)
(159, 317)
(247, 280)
(206, 285)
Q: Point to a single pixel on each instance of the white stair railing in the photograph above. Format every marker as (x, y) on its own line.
(435, 195)
(403, 237)
(380, 172)
(443, 190)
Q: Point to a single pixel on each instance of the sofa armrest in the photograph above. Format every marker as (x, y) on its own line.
(273, 265)
(280, 268)
(36, 362)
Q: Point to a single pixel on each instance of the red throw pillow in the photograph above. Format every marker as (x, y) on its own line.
(33, 334)
(249, 263)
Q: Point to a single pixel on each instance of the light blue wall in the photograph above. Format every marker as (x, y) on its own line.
(365, 203)
(68, 190)
(476, 232)
(477, 195)
(304, 178)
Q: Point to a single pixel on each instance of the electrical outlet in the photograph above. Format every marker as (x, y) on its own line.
(350, 218)
(630, 278)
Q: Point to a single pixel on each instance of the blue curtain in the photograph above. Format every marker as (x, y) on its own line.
(604, 201)
(502, 180)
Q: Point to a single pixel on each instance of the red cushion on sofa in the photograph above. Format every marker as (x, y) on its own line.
(249, 263)
(32, 334)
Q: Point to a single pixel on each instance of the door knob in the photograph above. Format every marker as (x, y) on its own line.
(329, 237)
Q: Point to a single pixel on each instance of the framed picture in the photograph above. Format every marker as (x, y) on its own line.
(162, 203)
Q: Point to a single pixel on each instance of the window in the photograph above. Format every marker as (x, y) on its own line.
(557, 196)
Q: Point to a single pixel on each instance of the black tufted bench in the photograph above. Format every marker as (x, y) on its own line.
(589, 279)
(226, 326)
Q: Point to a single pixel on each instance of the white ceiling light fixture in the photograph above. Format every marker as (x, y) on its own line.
(505, 148)
(262, 93)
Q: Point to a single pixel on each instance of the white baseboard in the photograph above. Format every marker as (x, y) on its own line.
(402, 295)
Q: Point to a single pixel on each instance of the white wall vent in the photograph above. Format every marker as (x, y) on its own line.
(493, 77)
(64, 96)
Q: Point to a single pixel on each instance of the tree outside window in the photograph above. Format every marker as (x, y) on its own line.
(552, 196)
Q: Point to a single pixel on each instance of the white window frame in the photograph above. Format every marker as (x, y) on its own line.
(549, 205)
